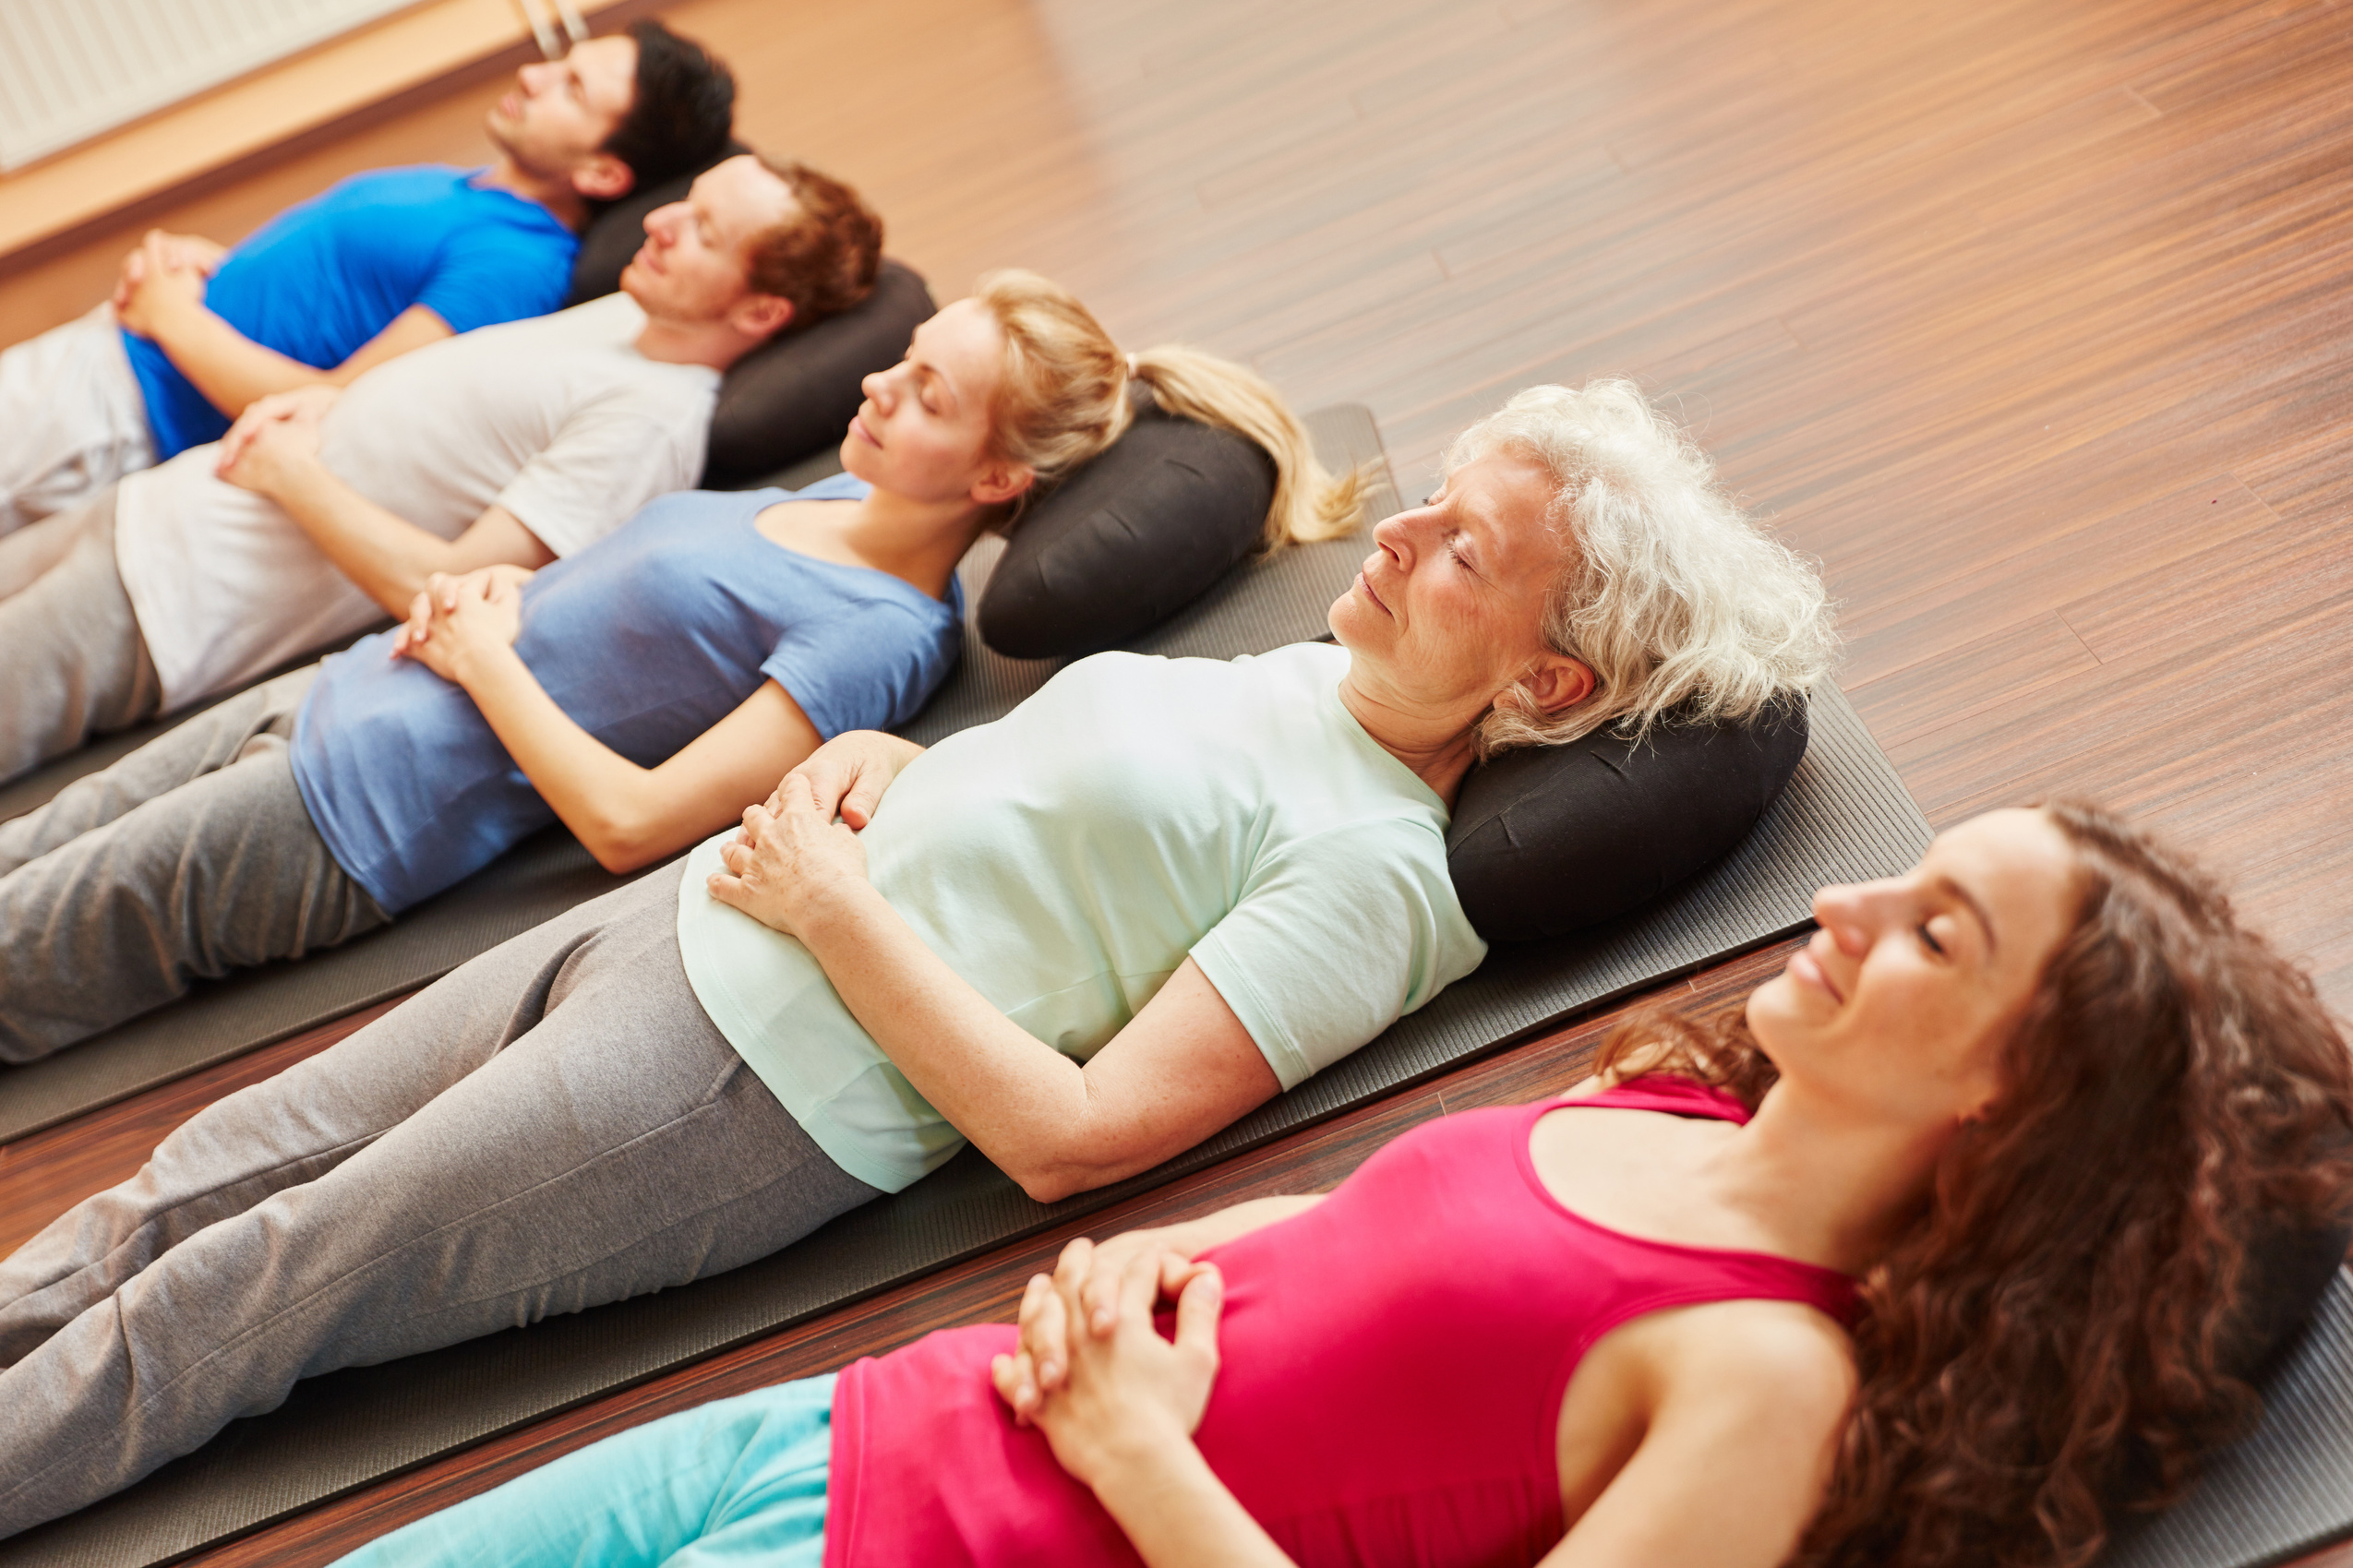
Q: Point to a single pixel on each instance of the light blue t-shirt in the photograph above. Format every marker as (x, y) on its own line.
(323, 277)
(646, 638)
(1065, 859)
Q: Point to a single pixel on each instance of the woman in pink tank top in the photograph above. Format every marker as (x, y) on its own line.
(1924, 1260)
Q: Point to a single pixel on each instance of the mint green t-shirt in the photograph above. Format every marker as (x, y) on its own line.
(1066, 858)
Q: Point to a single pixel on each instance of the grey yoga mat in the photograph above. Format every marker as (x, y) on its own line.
(1845, 815)
(2283, 1492)
(1263, 605)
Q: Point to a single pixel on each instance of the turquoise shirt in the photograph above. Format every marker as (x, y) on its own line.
(1065, 859)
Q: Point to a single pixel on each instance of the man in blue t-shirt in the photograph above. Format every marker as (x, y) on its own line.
(379, 264)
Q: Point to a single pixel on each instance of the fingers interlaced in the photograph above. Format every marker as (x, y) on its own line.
(1198, 1307)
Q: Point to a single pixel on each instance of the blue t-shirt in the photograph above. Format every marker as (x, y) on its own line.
(323, 277)
(646, 638)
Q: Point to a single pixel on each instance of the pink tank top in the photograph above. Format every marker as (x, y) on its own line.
(1393, 1362)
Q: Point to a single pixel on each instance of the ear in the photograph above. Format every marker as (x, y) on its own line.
(1557, 682)
(1983, 1090)
(600, 177)
(999, 481)
(761, 317)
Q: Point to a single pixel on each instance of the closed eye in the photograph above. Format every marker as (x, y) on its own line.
(1928, 941)
(1454, 550)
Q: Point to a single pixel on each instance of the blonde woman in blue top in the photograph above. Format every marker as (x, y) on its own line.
(1083, 938)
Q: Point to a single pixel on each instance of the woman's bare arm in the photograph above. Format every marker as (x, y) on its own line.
(1183, 1069)
(1741, 1405)
(625, 815)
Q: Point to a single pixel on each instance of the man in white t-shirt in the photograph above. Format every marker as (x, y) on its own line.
(321, 512)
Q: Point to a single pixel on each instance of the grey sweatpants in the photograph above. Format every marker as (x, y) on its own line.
(75, 664)
(72, 418)
(191, 857)
(555, 1125)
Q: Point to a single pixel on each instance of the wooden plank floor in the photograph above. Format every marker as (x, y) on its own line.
(2032, 320)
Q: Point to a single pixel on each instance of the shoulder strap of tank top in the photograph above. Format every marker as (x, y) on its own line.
(1745, 1274)
(1668, 1092)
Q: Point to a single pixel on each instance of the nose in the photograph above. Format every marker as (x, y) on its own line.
(877, 387)
(1854, 914)
(662, 223)
(1397, 536)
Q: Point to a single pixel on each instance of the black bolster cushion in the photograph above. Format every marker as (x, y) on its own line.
(1128, 538)
(2289, 1263)
(1552, 839)
(2289, 1267)
(796, 394)
(788, 397)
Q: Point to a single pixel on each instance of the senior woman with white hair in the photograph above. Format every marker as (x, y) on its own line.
(1083, 937)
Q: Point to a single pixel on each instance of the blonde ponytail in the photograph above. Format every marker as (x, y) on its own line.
(1309, 503)
(1064, 398)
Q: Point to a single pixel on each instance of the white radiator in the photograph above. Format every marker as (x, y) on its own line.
(71, 69)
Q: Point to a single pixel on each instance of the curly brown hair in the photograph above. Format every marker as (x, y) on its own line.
(824, 258)
(2054, 1334)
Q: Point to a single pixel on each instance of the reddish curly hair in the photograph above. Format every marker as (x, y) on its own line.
(827, 256)
(2052, 1335)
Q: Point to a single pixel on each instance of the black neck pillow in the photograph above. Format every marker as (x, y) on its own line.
(793, 395)
(1128, 538)
(1552, 839)
(2290, 1265)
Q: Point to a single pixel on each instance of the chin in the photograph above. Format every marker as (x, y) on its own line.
(1768, 1013)
(858, 459)
(1348, 615)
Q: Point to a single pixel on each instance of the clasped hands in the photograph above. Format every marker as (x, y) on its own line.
(798, 854)
(1092, 1371)
(273, 439)
(166, 270)
(459, 619)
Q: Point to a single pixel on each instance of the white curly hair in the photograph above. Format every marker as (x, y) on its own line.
(1676, 599)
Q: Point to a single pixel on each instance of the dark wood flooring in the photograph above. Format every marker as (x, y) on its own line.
(2031, 318)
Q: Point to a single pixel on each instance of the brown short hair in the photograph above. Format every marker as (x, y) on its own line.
(824, 257)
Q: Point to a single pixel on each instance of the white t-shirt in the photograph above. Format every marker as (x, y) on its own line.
(557, 418)
(1068, 857)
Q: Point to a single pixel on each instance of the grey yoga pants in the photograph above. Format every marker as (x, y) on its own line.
(191, 857)
(77, 665)
(555, 1125)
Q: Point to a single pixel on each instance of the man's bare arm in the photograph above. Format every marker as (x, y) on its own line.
(274, 450)
(166, 302)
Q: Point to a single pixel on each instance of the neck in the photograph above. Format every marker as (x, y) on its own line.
(1433, 742)
(918, 542)
(1827, 1187)
(714, 343)
(553, 192)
